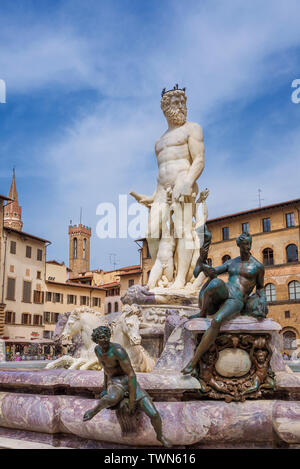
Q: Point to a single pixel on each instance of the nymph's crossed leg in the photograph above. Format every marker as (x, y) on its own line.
(113, 397)
(228, 309)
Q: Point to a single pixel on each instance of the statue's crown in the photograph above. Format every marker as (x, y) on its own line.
(175, 88)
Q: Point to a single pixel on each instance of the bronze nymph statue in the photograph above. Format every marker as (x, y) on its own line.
(226, 300)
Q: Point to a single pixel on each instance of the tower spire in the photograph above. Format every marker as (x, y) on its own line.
(12, 210)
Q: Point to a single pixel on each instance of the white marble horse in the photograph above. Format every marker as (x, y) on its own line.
(125, 331)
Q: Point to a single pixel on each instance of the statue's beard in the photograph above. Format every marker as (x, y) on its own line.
(175, 116)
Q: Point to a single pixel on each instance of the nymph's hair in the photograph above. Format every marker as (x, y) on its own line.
(101, 331)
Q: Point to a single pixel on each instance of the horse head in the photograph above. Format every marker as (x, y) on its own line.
(130, 323)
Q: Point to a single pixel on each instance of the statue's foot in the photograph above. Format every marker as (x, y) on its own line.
(164, 442)
(188, 369)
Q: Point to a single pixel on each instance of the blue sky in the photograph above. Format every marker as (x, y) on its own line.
(84, 79)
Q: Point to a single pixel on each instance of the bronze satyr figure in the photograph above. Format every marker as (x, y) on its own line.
(121, 388)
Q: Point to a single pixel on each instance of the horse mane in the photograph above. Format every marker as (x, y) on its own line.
(83, 309)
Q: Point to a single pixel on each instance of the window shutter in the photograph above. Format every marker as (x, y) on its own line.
(11, 283)
(14, 318)
(26, 292)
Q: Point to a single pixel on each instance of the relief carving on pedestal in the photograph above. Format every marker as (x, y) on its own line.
(236, 367)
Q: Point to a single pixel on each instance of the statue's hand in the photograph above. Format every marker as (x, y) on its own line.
(180, 191)
(88, 415)
(209, 271)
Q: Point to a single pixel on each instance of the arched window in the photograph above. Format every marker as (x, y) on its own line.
(84, 248)
(294, 290)
(225, 258)
(291, 253)
(75, 248)
(148, 274)
(289, 340)
(116, 306)
(270, 292)
(268, 258)
(108, 308)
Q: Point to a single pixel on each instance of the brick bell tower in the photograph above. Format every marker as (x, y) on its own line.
(79, 249)
(12, 210)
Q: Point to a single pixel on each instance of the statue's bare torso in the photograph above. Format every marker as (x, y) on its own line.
(173, 154)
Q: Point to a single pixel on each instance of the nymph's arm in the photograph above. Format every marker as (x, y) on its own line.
(260, 283)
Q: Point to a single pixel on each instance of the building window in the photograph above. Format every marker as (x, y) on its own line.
(84, 248)
(13, 247)
(292, 253)
(56, 316)
(10, 317)
(225, 258)
(96, 302)
(39, 275)
(26, 292)
(48, 296)
(225, 233)
(84, 301)
(294, 290)
(38, 296)
(116, 307)
(290, 219)
(28, 251)
(268, 258)
(47, 334)
(39, 255)
(37, 320)
(58, 298)
(270, 292)
(26, 318)
(289, 340)
(287, 315)
(47, 317)
(266, 225)
(209, 262)
(245, 227)
(75, 248)
(71, 299)
(130, 282)
(11, 288)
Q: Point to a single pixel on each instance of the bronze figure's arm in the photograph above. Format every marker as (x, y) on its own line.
(128, 370)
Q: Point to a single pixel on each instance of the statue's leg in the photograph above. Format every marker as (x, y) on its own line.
(229, 309)
(113, 396)
(183, 232)
(154, 228)
(212, 295)
(156, 273)
(147, 406)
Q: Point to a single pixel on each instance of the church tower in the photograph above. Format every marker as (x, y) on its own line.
(79, 249)
(12, 210)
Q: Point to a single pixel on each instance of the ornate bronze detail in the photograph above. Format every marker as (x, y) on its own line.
(254, 384)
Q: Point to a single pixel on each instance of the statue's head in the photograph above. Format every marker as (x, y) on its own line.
(244, 241)
(101, 335)
(173, 105)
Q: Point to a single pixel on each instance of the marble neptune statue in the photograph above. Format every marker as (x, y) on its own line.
(172, 207)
